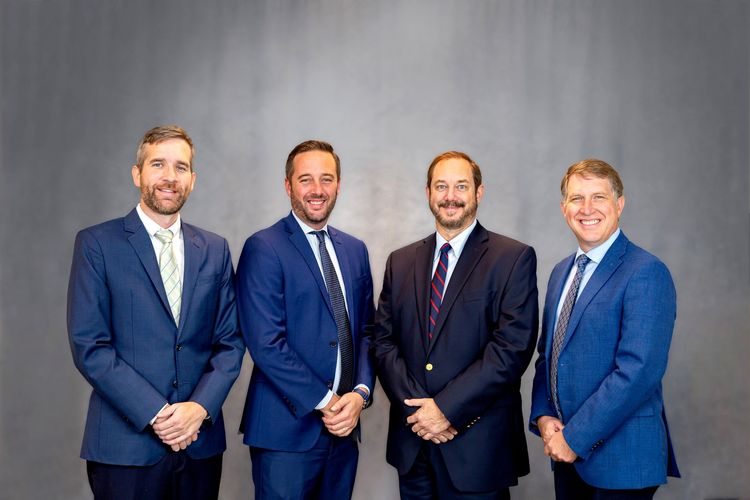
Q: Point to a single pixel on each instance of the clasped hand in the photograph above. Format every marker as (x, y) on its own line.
(341, 414)
(428, 422)
(555, 445)
(178, 425)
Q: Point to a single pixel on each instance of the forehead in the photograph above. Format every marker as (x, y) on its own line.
(314, 162)
(170, 147)
(452, 169)
(589, 183)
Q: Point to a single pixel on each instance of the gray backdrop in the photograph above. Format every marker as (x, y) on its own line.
(657, 88)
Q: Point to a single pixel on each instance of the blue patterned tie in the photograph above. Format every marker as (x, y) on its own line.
(338, 305)
(437, 287)
(562, 327)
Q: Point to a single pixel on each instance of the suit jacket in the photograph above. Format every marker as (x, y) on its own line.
(289, 328)
(126, 344)
(610, 368)
(482, 343)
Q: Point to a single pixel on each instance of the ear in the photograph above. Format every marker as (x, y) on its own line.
(480, 193)
(620, 205)
(192, 182)
(427, 193)
(288, 187)
(136, 173)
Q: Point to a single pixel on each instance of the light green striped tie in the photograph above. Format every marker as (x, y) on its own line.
(169, 273)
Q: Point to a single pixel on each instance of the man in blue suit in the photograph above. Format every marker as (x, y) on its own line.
(306, 310)
(152, 323)
(607, 325)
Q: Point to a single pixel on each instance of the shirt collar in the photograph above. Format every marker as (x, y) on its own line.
(457, 243)
(597, 254)
(152, 227)
(307, 229)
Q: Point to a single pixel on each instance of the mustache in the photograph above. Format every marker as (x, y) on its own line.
(452, 204)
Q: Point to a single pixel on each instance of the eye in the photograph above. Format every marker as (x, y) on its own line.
(599, 197)
(183, 168)
(575, 199)
(157, 164)
(462, 187)
(441, 187)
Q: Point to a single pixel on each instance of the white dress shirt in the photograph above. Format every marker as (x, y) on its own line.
(457, 243)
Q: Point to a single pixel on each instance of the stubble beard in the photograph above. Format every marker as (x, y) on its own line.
(148, 194)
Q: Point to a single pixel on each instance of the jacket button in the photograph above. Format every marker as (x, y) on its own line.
(174, 383)
(179, 347)
(329, 384)
(333, 344)
(428, 367)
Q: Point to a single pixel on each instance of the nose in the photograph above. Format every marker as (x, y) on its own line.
(170, 172)
(588, 206)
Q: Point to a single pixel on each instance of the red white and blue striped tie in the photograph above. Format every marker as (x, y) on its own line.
(437, 287)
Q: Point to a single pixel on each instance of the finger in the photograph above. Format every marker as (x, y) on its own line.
(414, 402)
(175, 447)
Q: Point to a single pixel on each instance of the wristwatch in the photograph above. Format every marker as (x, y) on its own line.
(365, 395)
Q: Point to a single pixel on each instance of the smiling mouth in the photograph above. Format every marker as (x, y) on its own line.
(317, 203)
(590, 222)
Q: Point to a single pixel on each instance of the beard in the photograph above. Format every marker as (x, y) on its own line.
(148, 195)
(462, 219)
(303, 213)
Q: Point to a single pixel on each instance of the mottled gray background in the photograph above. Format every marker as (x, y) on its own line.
(657, 88)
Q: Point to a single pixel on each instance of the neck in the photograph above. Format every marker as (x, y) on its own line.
(449, 234)
(164, 221)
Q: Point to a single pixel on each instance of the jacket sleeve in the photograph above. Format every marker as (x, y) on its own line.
(90, 336)
(365, 366)
(227, 346)
(263, 321)
(648, 315)
(506, 356)
(397, 381)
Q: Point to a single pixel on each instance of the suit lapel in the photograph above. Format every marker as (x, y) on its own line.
(346, 273)
(299, 240)
(192, 261)
(476, 246)
(555, 289)
(422, 270)
(609, 264)
(144, 249)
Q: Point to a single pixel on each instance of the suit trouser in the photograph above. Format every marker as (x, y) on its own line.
(175, 477)
(325, 471)
(428, 479)
(570, 486)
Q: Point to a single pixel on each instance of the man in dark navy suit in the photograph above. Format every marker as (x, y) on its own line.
(454, 332)
(152, 323)
(306, 307)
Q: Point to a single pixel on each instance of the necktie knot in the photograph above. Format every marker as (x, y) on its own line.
(445, 248)
(164, 235)
(321, 235)
(582, 261)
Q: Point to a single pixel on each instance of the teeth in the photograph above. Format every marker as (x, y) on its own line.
(590, 222)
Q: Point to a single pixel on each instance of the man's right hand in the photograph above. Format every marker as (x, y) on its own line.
(548, 426)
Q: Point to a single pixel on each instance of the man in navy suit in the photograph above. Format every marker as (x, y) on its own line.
(306, 307)
(455, 330)
(152, 323)
(608, 319)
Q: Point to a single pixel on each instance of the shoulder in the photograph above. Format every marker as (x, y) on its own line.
(208, 237)
(346, 238)
(408, 252)
(640, 261)
(103, 231)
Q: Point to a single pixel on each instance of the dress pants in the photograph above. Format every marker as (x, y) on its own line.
(570, 486)
(175, 477)
(428, 479)
(325, 471)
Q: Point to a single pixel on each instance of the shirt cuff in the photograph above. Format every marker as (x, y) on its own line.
(326, 399)
(151, 422)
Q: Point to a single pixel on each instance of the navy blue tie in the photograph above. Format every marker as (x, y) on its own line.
(437, 287)
(338, 305)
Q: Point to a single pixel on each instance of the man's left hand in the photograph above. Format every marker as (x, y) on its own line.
(344, 414)
(428, 421)
(179, 423)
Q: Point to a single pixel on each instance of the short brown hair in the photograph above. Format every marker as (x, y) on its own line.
(456, 155)
(160, 134)
(595, 168)
(311, 145)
